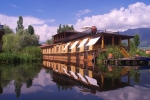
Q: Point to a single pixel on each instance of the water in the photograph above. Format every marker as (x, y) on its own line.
(51, 82)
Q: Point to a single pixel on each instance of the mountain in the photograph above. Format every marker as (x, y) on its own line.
(144, 34)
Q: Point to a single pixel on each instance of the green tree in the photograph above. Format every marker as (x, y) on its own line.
(64, 28)
(7, 29)
(19, 24)
(136, 40)
(133, 49)
(49, 41)
(17, 42)
(30, 30)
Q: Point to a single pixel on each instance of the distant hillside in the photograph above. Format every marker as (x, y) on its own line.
(144, 34)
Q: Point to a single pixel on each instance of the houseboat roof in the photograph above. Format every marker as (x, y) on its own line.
(46, 45)
(116, 34)
(68, 32)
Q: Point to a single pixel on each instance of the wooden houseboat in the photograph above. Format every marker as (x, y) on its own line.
(86, 45)
(1, 35)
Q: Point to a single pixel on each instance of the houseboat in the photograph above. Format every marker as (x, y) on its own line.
(1, 35)
(86, 45)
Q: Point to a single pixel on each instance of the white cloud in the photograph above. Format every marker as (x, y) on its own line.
(41, 28)
(40, 10)
(135, 16)
(135, 92)
(12, 5)
(81, 12)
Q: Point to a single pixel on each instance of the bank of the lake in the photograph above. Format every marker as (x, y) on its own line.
(27, 55)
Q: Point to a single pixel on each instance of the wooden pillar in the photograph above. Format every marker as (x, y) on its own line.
(113, 81)
(112, 40)
(128, 44)
(102, 46)
(102, 80)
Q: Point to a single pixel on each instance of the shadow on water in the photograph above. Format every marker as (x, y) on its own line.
(20, 74)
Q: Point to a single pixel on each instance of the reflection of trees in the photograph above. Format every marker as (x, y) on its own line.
(18, 85)
(137, 76)
(115, 72)
(21, 74)
(29, 83)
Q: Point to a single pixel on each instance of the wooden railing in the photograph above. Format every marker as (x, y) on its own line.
(95, 47)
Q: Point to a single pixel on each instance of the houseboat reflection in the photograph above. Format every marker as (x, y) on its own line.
(89, 78)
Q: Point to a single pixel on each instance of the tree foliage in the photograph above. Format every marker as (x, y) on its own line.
(64, 28)
(16, 42)
(49, 41)
(7, 29)
(30, 30)
(20, 24)
(136, 40)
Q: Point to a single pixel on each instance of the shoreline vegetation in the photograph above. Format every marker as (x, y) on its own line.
(20, 47)
(27, 55)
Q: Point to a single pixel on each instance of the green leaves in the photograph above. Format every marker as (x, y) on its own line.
(20, 24)
(30, 30)
(17, 42)
(50, 41)
(136, 40)
(64, 28)
(7, 29)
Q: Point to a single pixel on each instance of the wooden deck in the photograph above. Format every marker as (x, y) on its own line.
(126, 62)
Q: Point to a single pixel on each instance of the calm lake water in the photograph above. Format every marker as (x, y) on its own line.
(59, 81)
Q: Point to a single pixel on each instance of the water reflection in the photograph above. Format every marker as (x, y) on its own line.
(94, 78)
(20, 74)
(71, 81)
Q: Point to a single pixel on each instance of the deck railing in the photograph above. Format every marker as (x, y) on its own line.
(82, 35)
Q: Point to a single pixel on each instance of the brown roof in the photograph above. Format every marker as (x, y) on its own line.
(70, 31)
(115, 34)
(46, 45)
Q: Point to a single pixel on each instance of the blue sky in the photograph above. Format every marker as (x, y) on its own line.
(46, 15)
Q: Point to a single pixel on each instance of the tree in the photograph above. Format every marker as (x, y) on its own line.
(30, 29)
(17, 42)
(64, 28)
(136, 40)
(19, 24)
(7, 29)
(50, 41)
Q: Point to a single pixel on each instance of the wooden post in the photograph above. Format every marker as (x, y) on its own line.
(102, 46)
(102, 80)
(120, 41)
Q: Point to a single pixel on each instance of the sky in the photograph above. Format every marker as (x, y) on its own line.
(46, 15)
